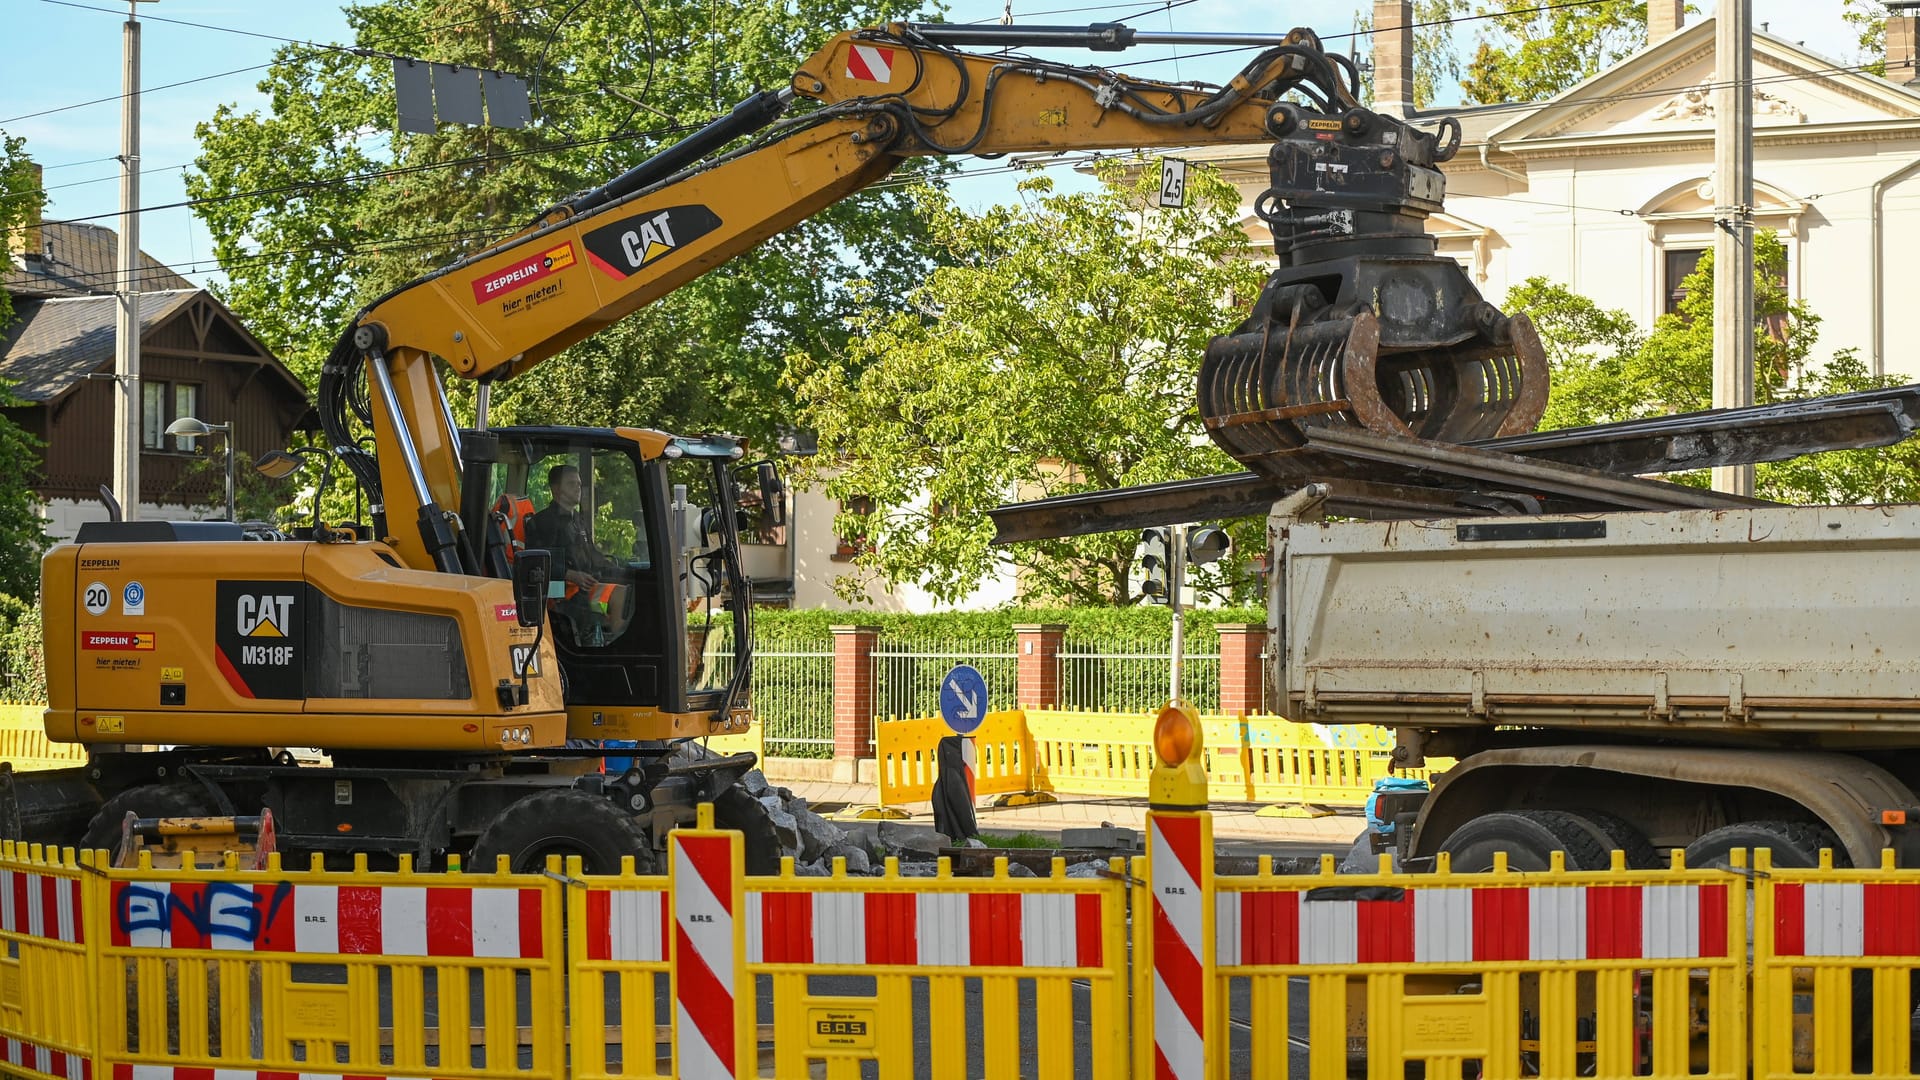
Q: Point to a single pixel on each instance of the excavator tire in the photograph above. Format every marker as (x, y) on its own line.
(563, 823)
(148, 801)
(737, 809)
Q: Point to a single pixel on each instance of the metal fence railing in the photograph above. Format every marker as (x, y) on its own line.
(906, 673)
(792, 692)
(1101, 677)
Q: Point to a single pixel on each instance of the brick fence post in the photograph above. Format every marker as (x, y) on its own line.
(1038, 685)
(1242, 675)
(852, 698)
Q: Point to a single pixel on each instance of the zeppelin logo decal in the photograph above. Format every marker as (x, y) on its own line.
(117, 641)
(870, 63)
(627, 246)
(522, 274)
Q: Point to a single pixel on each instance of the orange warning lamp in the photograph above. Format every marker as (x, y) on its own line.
(1179, 779)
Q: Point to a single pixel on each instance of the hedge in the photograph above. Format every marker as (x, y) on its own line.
(1143, 626)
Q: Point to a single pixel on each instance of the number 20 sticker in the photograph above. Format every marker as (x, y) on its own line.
(96, 598)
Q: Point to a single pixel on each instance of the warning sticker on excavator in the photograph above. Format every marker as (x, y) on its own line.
(870, 63)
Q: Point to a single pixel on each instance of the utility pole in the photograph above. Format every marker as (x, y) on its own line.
(126, 323)
(1733, 214)
(1176, 583)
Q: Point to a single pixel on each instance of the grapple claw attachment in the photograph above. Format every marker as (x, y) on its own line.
(1402, 346)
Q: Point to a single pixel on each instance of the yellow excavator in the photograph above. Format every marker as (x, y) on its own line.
(521, 589)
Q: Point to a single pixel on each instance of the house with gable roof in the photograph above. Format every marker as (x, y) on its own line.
(197, 359)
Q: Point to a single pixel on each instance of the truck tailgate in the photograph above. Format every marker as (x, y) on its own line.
(1789, 619)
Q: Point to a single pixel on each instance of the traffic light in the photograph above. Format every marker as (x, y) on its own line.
(1206, 545)
(1156, 558)
(1179, 777)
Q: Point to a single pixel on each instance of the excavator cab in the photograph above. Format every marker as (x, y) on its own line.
(642, 532)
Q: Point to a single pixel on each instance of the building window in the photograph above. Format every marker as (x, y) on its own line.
(161, 403)
(851, 547)
(1680, 263)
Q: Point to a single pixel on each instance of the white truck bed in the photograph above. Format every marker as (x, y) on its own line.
(1740, 622)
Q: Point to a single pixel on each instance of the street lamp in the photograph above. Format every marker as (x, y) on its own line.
(190, 428)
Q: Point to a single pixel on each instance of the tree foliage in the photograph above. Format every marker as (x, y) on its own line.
(1868, 21)
(1057, 354)
(317, 204)
(1604, 371)
(22, 533)
(1525, 51)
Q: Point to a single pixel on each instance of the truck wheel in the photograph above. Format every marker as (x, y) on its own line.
(1618, 834)
(563, 823)
(1529, 837)
(1794, 844)
(148, 801)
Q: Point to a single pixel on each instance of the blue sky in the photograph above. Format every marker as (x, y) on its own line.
(62, 54)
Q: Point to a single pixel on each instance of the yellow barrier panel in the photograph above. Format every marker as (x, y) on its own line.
(618, 967)
(50, 915)
(315, 973)
(1501, 975)
(24, 742)
(1251, 759)
(907, 749)
(1835, 953)
(841, 957)
(754, 739)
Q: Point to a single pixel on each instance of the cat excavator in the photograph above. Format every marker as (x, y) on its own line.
(460, 658)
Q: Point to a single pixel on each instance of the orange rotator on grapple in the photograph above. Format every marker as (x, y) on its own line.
(1363, 326)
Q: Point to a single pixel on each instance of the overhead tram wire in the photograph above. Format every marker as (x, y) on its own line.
(318, 46)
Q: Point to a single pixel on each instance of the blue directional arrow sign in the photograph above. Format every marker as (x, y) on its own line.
(963, 699)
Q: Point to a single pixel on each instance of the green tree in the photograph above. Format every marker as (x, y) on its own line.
(1604, 371)
(1057, 354)
(317, 205)
(22, 534)
(1526, 51)
(1868, 21)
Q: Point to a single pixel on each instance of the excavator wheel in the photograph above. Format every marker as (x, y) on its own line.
(150, 801)
(736, 809)
(563, 823)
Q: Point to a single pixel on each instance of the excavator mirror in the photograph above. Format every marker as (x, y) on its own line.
(530, 586)
(773, 493)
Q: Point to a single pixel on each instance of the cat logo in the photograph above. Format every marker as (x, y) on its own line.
(263, 616)
(653, 239)
(624, 247)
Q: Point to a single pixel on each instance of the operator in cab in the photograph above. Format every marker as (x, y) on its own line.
(595, 587)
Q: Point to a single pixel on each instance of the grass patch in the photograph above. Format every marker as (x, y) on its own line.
(1019, 840)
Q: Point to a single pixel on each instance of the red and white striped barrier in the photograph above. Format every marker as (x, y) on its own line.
(628, 925)
(1462, 925)
(183, 1072)
(925, 929)
(42, 906)
(1846, 919)
(706, 1028)
(1180, 860)
(22, 1054)
(349, 920)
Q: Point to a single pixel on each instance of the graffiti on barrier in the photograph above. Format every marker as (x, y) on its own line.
(214, 914)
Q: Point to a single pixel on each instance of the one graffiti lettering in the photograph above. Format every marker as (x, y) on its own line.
(222, 913)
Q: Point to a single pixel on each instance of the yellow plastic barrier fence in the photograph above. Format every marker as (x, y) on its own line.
(24, 743)
(312, 973)
(1248, 758)
(907, 750)
(49, 916)
(1501, 975)
(754, 739)
(1834, 958)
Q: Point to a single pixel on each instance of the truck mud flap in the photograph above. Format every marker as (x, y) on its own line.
(51, 806)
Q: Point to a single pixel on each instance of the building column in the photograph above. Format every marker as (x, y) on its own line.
(852, 698)
(1393, 57)
(1241, 672)
(1038, 647)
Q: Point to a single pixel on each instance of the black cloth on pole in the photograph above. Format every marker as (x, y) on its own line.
(952, 799)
